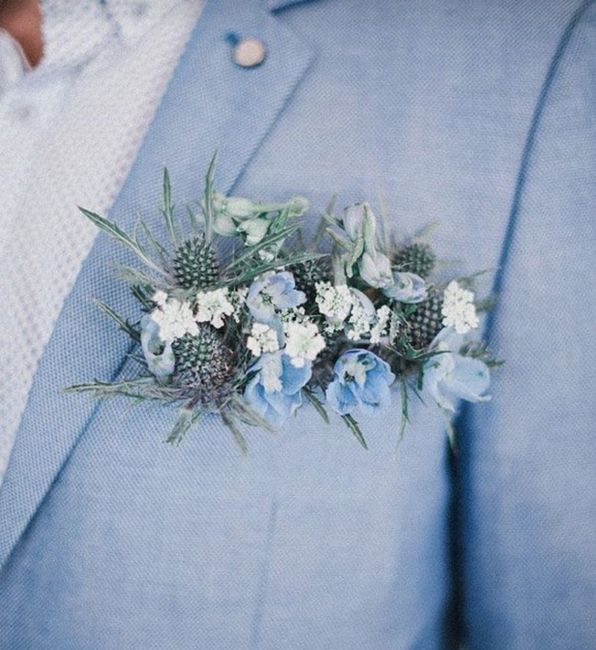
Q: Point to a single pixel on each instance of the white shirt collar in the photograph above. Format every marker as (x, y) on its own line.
(13, 63)
(74, 31)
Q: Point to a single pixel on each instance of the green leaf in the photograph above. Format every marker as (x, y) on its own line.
(339, 239)
(316, 402)
(404, 406)
(194, 222)
(168, 209)
(265, 243)
(137, 277)
(117, 233)
(123, 324)
(143, 388)
(248, 415)
(159, 249)
(355, 429)
(141, 296)
(208, 199)
(186, 419)
(230, 422)
(258, 269)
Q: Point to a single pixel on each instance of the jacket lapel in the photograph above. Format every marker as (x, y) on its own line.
(210, 104)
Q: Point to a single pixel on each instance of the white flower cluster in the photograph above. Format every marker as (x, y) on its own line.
(303, 341)
(176, 318)
(334, 302)
(458, 308)
(212, 306)
(352, 310)
(263, 338)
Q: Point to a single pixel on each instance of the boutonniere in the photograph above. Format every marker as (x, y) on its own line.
(254, 333)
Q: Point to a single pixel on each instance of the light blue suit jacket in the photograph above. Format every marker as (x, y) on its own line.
(478, 115)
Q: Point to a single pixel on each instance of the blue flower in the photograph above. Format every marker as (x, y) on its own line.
(271, 292)
(361, 379)
(360, 225)
(450, 376)
(406, 287)
(158, 353)
(275, 391)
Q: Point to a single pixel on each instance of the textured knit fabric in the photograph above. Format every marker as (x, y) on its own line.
(110, 539)
(69, 131)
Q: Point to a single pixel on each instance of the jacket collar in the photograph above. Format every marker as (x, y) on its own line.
(210, 104)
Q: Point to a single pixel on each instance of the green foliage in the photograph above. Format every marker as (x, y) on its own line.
(426, 320)
(123, 324)
(418, 258)
(195, 264)
(353, 426)
(205, 366)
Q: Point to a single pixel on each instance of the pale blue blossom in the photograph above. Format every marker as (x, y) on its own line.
(406, 287)
(375, 269)
(275, 390)
(158, 353)
(271, 293)
(235, 215)
(362, 316)
(450, 376)
(360, 225)
(362, 379)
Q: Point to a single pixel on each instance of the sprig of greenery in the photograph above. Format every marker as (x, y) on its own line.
(118, 234)
(122, 323)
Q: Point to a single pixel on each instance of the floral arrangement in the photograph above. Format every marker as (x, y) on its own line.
(255, 333)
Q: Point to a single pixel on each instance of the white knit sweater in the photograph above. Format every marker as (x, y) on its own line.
(69, 132)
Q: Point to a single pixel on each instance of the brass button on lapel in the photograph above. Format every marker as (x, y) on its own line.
(249, 52)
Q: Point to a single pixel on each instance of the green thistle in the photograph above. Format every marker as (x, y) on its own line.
(195, 264)
(307, 274)
(204, 365)
(416, 258)
(427, 321)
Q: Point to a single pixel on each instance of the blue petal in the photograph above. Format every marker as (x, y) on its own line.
(407, 287)
(470, 379)
(292, 378)
(281, 406)
(158, 354)
(341, 397)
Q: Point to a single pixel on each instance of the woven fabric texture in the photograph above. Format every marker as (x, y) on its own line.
(69, 132)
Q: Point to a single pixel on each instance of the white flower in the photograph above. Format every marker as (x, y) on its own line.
(160, 297)
(212, 306)
(379, 329)
(303, 342)
(394, 326)
(175, 319)
(362, 316)
(458, 308)
(262, 339)
(238, 298)
(335, 302)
